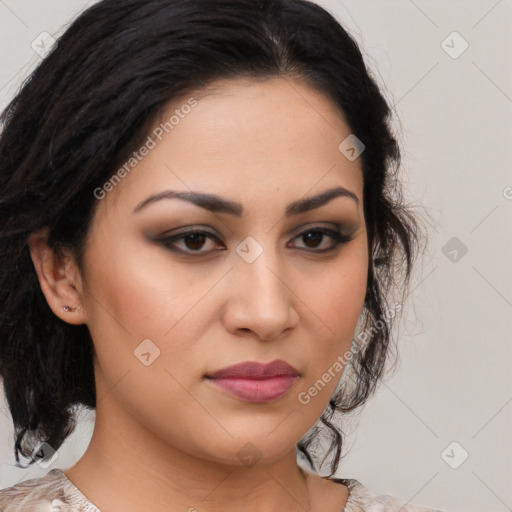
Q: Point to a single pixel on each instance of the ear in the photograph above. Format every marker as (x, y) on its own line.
(59, 278)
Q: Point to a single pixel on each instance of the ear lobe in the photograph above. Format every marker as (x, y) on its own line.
(57, 278)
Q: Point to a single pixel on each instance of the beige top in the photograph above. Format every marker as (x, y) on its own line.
(55, 493)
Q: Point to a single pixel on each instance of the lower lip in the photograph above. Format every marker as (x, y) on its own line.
(256, 390)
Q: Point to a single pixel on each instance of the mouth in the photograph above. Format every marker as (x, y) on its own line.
(256, 382)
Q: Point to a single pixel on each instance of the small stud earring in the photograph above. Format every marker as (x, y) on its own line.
(69, 309)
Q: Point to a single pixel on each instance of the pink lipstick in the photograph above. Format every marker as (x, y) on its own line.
(256, 382)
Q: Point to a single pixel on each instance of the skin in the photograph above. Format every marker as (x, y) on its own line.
(164, 437)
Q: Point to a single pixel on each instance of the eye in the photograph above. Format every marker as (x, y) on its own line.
(192, 241)
(315, 237)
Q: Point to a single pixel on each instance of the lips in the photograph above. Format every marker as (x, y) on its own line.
(256, 382)
(254, 370)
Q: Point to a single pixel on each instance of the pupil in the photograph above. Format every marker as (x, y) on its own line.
(196, 239)
(313, 236)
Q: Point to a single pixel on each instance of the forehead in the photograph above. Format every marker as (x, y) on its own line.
(235, 136)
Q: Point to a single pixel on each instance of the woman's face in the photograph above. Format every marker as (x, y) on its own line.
(264, 280)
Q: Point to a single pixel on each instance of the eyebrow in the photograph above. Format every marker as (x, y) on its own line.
(215, 203)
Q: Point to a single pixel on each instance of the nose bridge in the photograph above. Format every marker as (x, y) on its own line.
(262, 300)
(261, 274)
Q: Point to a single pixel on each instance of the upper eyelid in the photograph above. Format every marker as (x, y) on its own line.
(186, 231)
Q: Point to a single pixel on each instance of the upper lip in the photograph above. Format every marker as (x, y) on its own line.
(255, 370)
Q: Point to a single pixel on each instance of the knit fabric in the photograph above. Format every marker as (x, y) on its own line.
(56, 493)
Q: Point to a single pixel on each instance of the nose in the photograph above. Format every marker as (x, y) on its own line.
(260, 299)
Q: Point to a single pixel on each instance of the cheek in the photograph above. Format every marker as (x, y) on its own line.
(336, 301)
(344, 299)
(134, 358)
(336, 293)
(135, 292)
(139, 298)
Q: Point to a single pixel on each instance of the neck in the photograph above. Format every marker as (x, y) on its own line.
(126, 467)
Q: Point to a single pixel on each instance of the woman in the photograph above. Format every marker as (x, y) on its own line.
(201, 234)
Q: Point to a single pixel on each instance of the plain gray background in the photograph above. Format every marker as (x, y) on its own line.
(453, 384)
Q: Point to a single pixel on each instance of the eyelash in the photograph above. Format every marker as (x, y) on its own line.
(337, 237)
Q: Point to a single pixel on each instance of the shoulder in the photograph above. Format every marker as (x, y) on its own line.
(34, 494)
(362, 499)
(48, 493)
